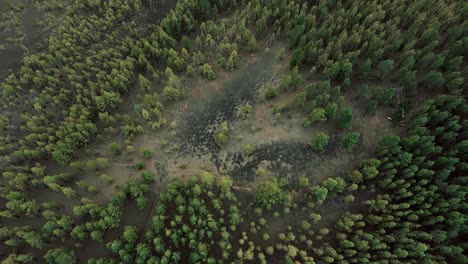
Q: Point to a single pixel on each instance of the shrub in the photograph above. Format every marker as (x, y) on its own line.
(346, 118)
(147, 154)
(248, 149)
(148, 176)
(107, 179)
(270, 92)
(221, 134)
(207, 72)
(350, 140)
(115, 148)
(139, 165)
(320, 142)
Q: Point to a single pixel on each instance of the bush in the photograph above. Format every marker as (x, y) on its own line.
(270, 92)
(320, 142)
(372, 107)
(147, 154)
(350, 140)
(207, 72)
(269, 194)
(107, 179)
(172, 94)
(129, 149)
(303, 182)
(115, 148)
(139, 165)
(248, 149)
(221, 135)
(102, 163)
(346, 118)
(245, 111)
(148, 176)
(349, 198)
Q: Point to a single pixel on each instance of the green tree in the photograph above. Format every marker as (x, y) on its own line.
(330, 110)
(384, 68)
(60, 256)
(297, 58)
(148, 176)
(102, 163)
(321, 194)
(269, 194)
(350, 140)
(270, 92)
(364, 68)
(147, 154)
(172, 94)
(317, 115)
(115, 148)
(320, 141)
(433, 79)
(387, 96)
(345, 118)
(372, 107)
(221, 135)
(207, 72)
(143, 83)
(252, 44)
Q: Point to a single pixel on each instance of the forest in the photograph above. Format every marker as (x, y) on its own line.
(233, 131)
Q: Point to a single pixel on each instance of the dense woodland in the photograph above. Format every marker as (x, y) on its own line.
(107, 71)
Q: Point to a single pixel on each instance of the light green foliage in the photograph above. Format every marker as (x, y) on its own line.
(207, 72)
(245, 111)
(405, 206)
(115, 148)
(321, 194)
(269, 194)
(303, 182)
(221, 135)
(172, 94)
(248, 149)
(143, 82)
(334, 185)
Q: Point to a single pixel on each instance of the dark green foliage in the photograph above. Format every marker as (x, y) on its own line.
(320, 141)
(147, 154)
(202, 203)
(148, 176)
(384, 68)
(345, 118)
(60, 256)
(406, 205)
(115, 148)
(364, 68)
(372, 107)
(297, 58)
(139, 165)
(349, 140)
(387, 96)
(270, 92)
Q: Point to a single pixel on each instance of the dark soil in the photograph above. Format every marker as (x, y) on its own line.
(196, 135)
